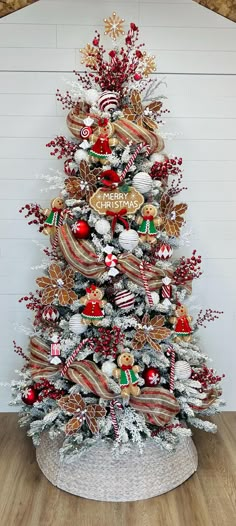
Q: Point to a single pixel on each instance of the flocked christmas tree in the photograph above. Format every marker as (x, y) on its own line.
(114, 353)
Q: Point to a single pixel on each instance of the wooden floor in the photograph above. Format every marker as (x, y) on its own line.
(208, 498)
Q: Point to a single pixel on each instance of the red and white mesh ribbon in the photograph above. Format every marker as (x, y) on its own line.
(74, 354)
(114, 403)
(145, 281)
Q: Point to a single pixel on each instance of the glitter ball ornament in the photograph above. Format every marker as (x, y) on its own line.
(50, 314)
(183, 370)
(129, 239)
(81, 155)
(102, 226)
(108, 101)
(151, 376)
(75, 324)
(124, 299)
(163, 251)
(81, 229)
(91, 96)
(29, 396)
(85, 132)
(111, 260)
(142, 182)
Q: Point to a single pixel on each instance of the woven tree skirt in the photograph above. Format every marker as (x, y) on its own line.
(99, 475)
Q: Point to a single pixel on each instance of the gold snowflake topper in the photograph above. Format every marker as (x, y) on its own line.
(114, 26)
(89, 55)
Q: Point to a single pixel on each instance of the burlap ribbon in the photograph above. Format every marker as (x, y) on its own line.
(158, 405)
(81, 257)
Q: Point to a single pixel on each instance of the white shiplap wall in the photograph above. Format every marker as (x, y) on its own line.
(196, 51)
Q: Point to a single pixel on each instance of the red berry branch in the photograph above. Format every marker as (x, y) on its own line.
(206, 376)
(207, 316)
(33, 209)
(18, 350)
(62, 147)
(48, 390)
(107, 343)
(161, 170)
(66, 100)
(188, 269)
(34, 304)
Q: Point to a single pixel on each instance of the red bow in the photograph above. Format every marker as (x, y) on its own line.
(103, 122)
(118, 215)
(56, 210)
(126, 367)
(91, 288)
(148, 218)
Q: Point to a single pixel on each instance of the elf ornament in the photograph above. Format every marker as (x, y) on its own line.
(181, 325)
(93, 314)
(126, 372)
(148, 222)
(53, 216)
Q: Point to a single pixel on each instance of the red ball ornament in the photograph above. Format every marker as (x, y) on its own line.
(81, 229)
(29, 396)
(151, 376)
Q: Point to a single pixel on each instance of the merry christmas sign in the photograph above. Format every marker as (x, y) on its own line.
(115, 200)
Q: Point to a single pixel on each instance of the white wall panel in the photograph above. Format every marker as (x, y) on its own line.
(195, 48)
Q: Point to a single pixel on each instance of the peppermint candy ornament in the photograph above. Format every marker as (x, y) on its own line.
(108, 101)
(124, 299)
(111, 260)
(85, 132)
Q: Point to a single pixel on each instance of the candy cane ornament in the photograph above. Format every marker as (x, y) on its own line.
(171, 353)
(65, 213)
(131, 161)
(74, 354)
(113, 404)
(145, 282)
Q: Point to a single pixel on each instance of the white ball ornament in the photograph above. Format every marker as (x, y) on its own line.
(158, 158)
(108, 368)
(92, 96)
(102, 226)
(81, 155)
(76, 324)
(183, 370)
(129, 239)
(142, 182)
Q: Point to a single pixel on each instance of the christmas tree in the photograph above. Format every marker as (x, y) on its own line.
(114, 353)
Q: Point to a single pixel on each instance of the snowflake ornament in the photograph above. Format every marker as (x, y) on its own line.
(149, 64)
(89, 55)
(114, 26)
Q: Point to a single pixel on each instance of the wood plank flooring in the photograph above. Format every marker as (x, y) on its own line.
(208, 498)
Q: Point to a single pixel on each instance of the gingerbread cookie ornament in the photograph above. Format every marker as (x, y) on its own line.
(181, 324)
(53, 216)
(148, 222)
(93, 313)
(101, 149)
(126, 372)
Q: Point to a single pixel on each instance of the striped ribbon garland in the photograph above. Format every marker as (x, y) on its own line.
(145, 282)
(131, 161)
(65, 213)
(113, 404)
(74, 354)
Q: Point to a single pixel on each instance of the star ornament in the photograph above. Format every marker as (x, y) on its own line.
(150, 331)
(75, 405)
(57, 285)
(114, 26)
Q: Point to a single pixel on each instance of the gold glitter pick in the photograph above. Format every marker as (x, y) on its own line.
(89, 55)
(114, 26)
(149, 64)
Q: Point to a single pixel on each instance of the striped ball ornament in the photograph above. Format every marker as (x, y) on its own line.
(142, 182)
(129, 239)
(183, 370)
(124, 299)
(76, 324)
(108, 101)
